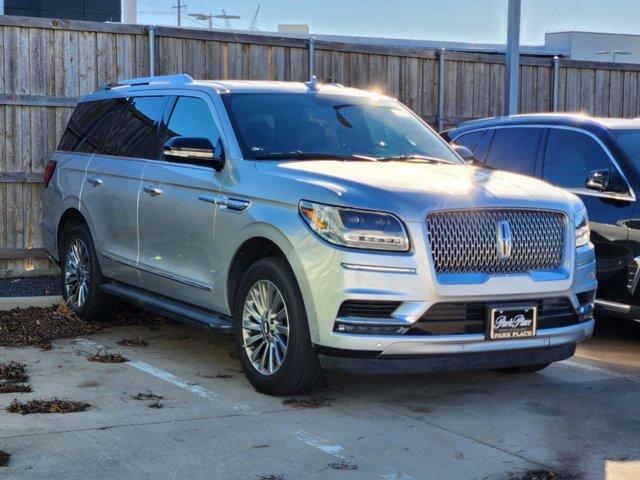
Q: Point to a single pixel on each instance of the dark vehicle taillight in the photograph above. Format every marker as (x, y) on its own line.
(48, 172)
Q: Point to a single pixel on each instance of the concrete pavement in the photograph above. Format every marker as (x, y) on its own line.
(580, 417)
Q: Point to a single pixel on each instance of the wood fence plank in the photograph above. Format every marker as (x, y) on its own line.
(429, 88)
(616, 94)
(630, 89)
(259, 62)
(87, 69)
(37, 63)
(587, 90)
(212, 61)
(480, 90)
(124, 56)
(562, 89)
(107, 71)
(141, 65)
(543, 89)
(299, 65)
(278, 63)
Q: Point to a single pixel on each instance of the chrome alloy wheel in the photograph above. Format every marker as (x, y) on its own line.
(265, 327)
(76, 274)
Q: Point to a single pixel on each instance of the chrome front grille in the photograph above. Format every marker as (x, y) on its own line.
(468, 241)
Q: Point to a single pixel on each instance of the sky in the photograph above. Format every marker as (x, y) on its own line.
(479, 21)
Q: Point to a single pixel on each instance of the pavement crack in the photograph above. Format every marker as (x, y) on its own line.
(141, 424)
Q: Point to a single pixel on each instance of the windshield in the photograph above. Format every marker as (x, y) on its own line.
(305, 126)
(629, 142)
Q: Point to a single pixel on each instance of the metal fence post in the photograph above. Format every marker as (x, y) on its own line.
(556, 81)
(441, 54)
(312, 58)
(512, 59)
(151, 30)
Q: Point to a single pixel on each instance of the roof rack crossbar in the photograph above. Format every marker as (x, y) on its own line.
(178, 79)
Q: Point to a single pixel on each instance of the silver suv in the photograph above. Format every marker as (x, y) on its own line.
(327, 227)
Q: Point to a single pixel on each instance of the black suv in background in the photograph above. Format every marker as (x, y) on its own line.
(596, 158)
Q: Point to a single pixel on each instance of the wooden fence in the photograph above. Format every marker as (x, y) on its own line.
(45, 65)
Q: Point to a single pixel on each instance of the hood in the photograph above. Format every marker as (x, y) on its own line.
(411, 189)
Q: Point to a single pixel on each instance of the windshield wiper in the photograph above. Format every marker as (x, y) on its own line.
(300, 155)
(415, 156)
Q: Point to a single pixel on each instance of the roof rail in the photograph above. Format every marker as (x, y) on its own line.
(178, 79)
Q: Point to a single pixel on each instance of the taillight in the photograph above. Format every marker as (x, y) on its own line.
(48, 172)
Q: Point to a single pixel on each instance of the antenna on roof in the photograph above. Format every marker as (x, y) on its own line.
(313, 83)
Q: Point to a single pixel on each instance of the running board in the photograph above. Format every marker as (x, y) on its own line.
(170, 308)
(613, 306)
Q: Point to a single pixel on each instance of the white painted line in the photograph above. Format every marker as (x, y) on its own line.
(177, 381)
(337, 451)
(603, 371)
(158, 373)
(171, 378)
(320, 444)
(397, 476)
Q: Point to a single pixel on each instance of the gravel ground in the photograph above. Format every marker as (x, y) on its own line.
(30, 287)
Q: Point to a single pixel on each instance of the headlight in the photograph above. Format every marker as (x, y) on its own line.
(348, 227)
(583, 233)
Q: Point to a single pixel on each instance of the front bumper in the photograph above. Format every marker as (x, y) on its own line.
(328, 279)
(446, 362)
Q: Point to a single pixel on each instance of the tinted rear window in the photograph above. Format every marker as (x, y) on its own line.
(89, 125)
(515, 149)
(136, 134)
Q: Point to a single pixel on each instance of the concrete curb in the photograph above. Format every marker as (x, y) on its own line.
(9, 303)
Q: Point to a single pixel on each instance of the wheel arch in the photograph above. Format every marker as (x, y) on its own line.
(69, 218)
(249, 252)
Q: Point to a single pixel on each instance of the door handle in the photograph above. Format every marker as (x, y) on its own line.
(95, 181)
(152, 190)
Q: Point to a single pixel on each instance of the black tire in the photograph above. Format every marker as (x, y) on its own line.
(97, 307)
(524, 368)
(300, 370)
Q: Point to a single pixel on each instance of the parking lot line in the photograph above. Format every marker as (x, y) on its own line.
(337, 451)
(319, 443)
(171, 378)
(158, 373)
(603, 371)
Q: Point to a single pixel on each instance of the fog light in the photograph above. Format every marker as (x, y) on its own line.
(585, 312)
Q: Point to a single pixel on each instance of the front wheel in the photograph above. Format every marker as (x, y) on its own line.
(271, 331)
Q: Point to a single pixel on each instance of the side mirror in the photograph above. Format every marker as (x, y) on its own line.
(464, 152)
(198, 150)
(598, 180)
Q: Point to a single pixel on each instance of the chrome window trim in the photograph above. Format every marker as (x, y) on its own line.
(631, 196)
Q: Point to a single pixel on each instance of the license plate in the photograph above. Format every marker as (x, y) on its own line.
(513, 321)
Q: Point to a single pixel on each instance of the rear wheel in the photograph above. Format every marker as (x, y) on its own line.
(524, 368)
(271, 331)
(82, 277)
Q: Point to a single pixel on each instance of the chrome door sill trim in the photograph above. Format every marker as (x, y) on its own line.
(378, 268)
(116, 258)
(170, 276)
